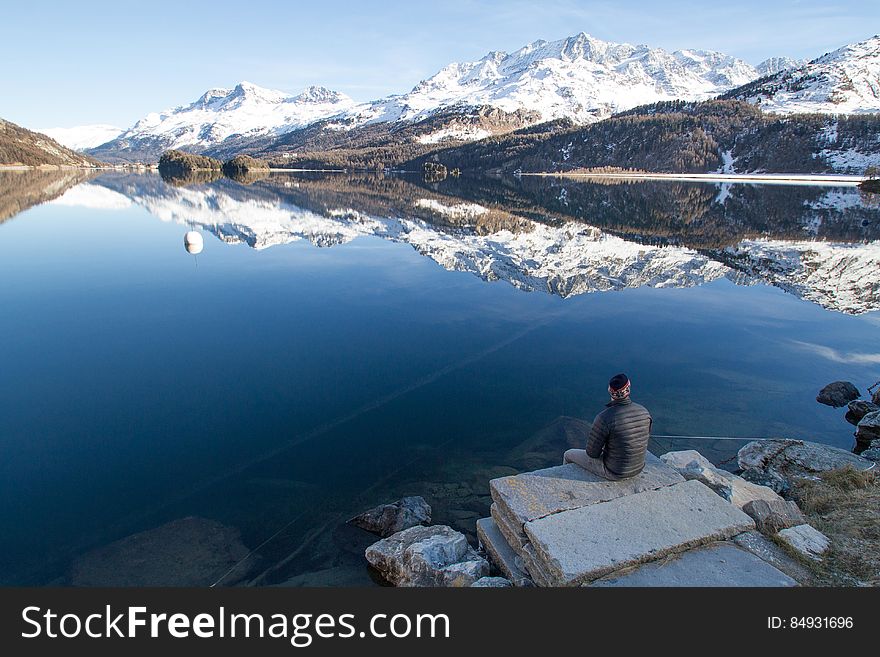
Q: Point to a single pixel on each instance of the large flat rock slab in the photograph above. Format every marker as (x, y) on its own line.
(719, 564)
(583, 544)
(525, 497)
(500, 553)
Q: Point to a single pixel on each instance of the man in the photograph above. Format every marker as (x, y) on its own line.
(618, 438)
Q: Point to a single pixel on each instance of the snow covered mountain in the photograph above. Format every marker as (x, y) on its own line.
(845, 81)
(83, 137)
(775, 65)
(244, 112)
(568, 259)
(579, 78)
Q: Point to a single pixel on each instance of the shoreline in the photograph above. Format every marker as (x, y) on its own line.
(763, 178)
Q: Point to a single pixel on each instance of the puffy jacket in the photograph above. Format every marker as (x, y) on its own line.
(619, 436)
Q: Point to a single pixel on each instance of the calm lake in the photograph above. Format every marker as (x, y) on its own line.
(344, 340)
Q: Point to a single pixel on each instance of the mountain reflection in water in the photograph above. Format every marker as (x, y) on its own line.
(555, 235)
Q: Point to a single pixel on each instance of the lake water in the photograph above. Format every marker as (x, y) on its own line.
(344, 340)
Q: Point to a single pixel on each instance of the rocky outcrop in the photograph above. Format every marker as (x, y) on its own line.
(838, 394)
(858, 409)
(388, 519)
(690, 464)
(788, 459)
(427, 556)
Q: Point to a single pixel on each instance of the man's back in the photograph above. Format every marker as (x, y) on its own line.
(620, 435)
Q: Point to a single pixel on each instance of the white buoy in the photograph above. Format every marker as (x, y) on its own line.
(193, 242)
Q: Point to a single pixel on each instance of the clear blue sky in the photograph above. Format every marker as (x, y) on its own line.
(68, 63)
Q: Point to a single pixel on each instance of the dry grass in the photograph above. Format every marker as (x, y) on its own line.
(845, 505)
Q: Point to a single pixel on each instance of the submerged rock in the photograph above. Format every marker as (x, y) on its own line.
(838, 394)
(427, 556)
(186, 552)
(858, 409)
(736, 490)
(796, 459)
(388, 519)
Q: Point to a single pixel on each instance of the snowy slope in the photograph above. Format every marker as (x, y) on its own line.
(246, 111)
(580, 78)
(83, 137)
(846, 81)
(775, 65)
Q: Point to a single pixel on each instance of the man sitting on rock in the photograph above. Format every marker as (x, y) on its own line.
(618, 438)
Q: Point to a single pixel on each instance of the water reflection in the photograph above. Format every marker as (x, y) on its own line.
(558, 236)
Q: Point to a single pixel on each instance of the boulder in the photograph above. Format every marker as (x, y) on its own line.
(771, 480)
(736, 490)
(858, 409)
(796, 459)
(807, 540)
(492, 583)
(838, 394)
(427, 556)
(872, 454)
(772, 515)
(388, 519)
(868, 428)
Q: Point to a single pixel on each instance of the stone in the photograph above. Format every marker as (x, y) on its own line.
(535, 567)
(514, 535)
(500, 553)
(492, 582)
(736, 490)
(858, 409)
(875, 398)
(772, 515)
(796, 459)
(719, 564)
(807, 540)
(186, 552)
(533, 495)
(838, 394)
(577, 546)
(387, 519)
(772, 480)
(762, 547)
(427, 556)
(684, 458)
(868, 428)
(872, 454)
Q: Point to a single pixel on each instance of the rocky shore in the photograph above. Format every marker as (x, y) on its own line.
(681, 522)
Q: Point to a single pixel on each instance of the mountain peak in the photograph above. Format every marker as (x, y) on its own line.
(318, 94)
